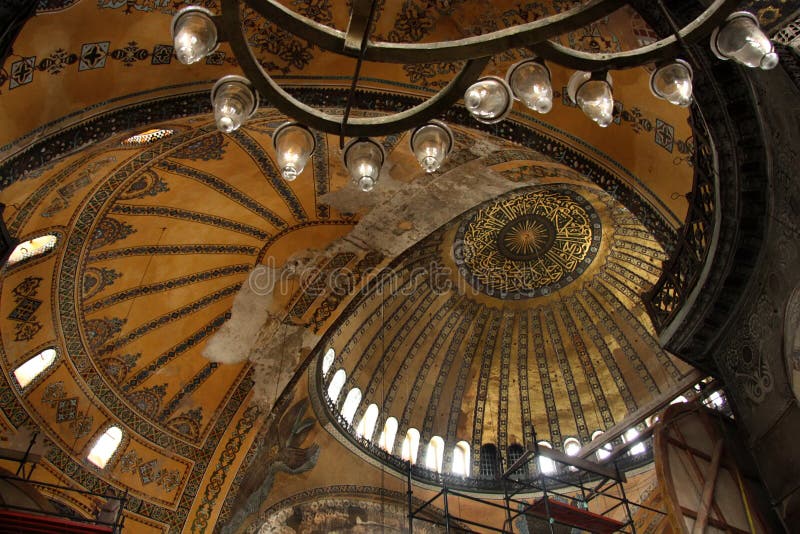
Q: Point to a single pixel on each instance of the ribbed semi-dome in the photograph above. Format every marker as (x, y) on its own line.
(520, 321)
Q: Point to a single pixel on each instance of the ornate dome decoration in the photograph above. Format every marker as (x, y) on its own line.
(524, 315)
(528, 243)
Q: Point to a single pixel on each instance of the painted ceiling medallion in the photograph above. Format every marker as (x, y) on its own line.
(529, 243)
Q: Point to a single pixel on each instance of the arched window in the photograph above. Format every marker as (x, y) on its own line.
(351, 405)
(515, 452)
(679, 399)
(631, 435)
(389, 433)
(546, 465)
(29, 370)
(571, 446)
(33, 247)
(336, 385)
(147, 136)
(435, 454)
(461, 459)
(603, 452)
(410, 445)
(327, 361)
(489, 461)
(104, 449)
(715, 400)
(366, 428)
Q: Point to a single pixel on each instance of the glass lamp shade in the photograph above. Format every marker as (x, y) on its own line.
(364, 159)
(194, 34)
(673, 82)
(489, 99)
(742, 40)
(530, 82)
(234, 101)
(294, 144)
(431, 143)
(592, 93)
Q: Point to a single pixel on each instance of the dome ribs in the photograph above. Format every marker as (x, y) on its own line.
(580, 350)
(487, 355)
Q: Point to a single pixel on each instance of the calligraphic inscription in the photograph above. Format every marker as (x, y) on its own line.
(528, 243)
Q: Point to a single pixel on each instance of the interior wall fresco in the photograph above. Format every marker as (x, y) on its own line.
(173, 441)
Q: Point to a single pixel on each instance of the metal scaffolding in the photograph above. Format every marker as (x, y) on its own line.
(557, 500)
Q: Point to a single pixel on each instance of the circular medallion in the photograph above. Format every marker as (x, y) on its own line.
(528, 243)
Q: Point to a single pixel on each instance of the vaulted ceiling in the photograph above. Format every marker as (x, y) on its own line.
(546, 231)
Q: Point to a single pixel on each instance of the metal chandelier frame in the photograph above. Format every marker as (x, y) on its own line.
(475, 51)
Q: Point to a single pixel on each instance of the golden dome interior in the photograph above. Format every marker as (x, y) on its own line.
(513, 303)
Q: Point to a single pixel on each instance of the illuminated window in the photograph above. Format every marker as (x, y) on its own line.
(104, 449)
(327, 361)
(546, 465)
(435, 454)
(33, 247)
(461, 459)
(410, 445)
(571, 446)
(351, 405)
(489, 461)
(679, 399)
(389, 433)
(29, 370)
(603, 452)
(147, 137)
(367, 425)
(630, 436)
(336, 385)
(715, 400)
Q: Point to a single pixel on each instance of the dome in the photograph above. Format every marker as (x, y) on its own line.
(519, 321)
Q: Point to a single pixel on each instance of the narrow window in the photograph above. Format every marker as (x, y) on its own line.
(29, 370)
(435, 454)
(104, 449)
(515, 452)
(410, 445)
(603, 452)
(630, 436)
(546, 465)
(366, 428)
(336, 385)
(461, 459)
(31, 248)
(327, 361)
(148, 136)
(387, 436)
(571, 446)
(489, 461)
(351, 405)
(679, 399)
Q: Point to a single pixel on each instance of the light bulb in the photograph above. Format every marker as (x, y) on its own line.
(592, 93)
(489, 100)
(431, 143)
(294, 144)
(234, 101)
(673, 82)
(363, 159)
(194, 34)
(530, 82)
(742, 40)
